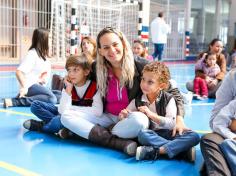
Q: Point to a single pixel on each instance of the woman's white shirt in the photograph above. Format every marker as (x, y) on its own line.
(33, 67)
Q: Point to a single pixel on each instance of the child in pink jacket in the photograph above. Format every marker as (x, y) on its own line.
(202, 83)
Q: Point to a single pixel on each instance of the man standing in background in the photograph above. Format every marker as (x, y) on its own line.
(159, 31)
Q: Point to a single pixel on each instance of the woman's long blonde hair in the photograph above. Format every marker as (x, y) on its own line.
(127, 65)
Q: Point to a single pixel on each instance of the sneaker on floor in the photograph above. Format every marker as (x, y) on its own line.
(33, 125)
(196, 96)
(64, 133)
(147, 153)
(191, 155)
(7, 102)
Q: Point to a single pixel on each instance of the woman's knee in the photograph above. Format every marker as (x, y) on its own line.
(52, 99)
(139, 120)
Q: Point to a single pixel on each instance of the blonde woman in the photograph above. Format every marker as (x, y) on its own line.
(118, 78)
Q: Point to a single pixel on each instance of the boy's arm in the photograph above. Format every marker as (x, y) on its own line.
(65, 102)
(223, 119)
(178, 99)
(167, 122)
(96, 108)
(180, 126)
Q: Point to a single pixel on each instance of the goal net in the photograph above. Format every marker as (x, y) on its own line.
(91, 17)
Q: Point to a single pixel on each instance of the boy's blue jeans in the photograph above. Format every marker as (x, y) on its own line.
(228, 147)
(48, 113)
(163, 138)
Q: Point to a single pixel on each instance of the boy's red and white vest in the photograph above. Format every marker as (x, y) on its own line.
(87, 99)
(160, 103)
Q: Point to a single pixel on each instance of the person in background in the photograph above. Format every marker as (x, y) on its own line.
(139, 49)
(208, 66)
(231, 61)
(159, 31)
(215, 161)
(33, 73)
(215, 47)
(88, 47)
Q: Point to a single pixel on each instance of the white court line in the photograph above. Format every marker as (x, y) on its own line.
(201, 104)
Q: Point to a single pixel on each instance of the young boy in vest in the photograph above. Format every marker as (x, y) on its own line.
(78, 95)
(160, 107)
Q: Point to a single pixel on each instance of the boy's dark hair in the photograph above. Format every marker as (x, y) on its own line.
(40, 42)
(160, 70)
(79, 60)
(160, 14)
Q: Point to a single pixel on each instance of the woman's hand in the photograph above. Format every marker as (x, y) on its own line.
(123, 114)
(180, 126)
(42, 78)
(23, 92)
(68, 85)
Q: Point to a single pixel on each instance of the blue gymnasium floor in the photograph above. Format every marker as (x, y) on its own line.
(30, 153)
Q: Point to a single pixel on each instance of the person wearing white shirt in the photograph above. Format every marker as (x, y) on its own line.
(159, 31)
(33, 73)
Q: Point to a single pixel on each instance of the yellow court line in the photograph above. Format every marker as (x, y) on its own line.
(17, 169)
(15, 112)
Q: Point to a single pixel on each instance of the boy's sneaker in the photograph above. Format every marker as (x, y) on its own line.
(64, 133)
(191, 155)
(147, 153)
(33, 125)
(7, 102)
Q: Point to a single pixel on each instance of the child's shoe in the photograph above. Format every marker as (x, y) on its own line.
(204, 97)
(147, 153)
(7, 102)
(64, 133)
(33, 125)
(196, 96)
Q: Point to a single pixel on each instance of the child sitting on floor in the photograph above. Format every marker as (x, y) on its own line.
(79, 95)
(160, 107)
(207, 77)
